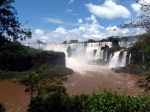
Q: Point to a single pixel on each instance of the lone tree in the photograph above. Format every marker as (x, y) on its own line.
(31, 82)
(10, 28)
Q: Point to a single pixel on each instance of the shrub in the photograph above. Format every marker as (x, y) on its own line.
(107, 101)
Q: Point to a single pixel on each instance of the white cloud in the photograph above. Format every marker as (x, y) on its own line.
(84, 32)
(39, 31)
(109, 10)
(80, 20)
(54, 21)
(60, 30)
(92, 18)
(145, 2)
(71, 1)
(136, 7)
(69, 11)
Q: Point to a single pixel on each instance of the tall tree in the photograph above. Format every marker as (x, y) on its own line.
(31, 82)
(10, 27)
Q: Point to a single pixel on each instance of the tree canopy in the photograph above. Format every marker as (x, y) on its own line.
(10, 27)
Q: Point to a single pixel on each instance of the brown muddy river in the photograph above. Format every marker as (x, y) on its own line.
(85, 80)
(13, 96)
(94, 81)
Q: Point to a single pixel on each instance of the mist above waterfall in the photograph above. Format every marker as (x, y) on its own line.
(87, 56)
(83, 57)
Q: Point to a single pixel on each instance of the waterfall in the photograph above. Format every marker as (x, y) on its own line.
(123, 60)
(129, 59)
(106, 56)
(111, 55)
(101, 54)
(143, 58)
(97, 56)
(114, 60)
(87, 52)
(126, 44)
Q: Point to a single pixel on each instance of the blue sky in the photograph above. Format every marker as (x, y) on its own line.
(54, 21)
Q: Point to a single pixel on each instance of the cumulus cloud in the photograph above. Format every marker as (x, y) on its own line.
(80, 20)
(60, 30)
(71, 1)
(92, 18)
(108, 10)
(145, 2)
(136, 7)
(39, 31)
(91, 29)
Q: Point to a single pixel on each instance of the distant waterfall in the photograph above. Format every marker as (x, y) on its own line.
(98, 53)
(126, 44)
(129, 59)
(123, 60)
(88, 52)
(101, 54)
(106, 56)
(111, 55)
(114, 60)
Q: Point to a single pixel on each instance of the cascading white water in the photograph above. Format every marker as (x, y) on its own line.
(98, 53)
(111, 55)
(123, 61)
(129, 58)
(126, 44)
(85, 52)
(101, 54)
(106, 56)
(90, 48)
(114, 60)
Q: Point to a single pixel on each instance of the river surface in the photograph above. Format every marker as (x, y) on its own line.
(93, 78)
(86, 79)
(13, 97)
(95, 81)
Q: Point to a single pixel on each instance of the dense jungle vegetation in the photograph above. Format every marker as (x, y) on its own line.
(105, 102)
(140, 56)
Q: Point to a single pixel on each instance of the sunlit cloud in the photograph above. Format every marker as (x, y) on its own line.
(88, 29)
(108, 10)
